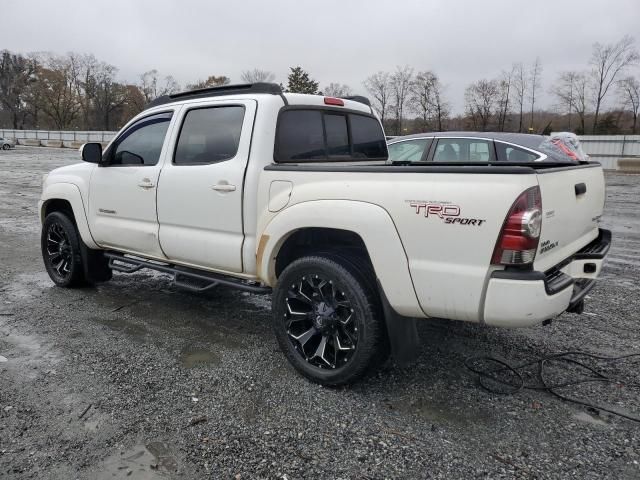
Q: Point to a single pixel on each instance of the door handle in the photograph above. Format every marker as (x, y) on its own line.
(146, 184)
(580, 188)
(224, 187)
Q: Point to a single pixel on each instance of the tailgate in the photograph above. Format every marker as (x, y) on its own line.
(572, 203)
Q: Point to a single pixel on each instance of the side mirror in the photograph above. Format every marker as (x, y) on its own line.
(91, 152)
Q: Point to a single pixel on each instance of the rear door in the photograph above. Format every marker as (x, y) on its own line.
(572, 204)
(200, 188)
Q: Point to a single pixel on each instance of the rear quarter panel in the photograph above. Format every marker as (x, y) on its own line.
(448, 260)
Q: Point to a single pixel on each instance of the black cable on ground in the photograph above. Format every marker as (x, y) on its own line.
(516, 382)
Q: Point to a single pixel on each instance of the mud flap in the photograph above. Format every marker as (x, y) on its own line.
(95, 264)
(402, 332)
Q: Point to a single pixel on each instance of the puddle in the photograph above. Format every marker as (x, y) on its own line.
(197, 357)
(26, 285)
(585, 417)
(439, 412)
(25, 350)
(142, 462)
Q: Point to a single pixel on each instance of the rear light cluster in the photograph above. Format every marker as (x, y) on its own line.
(518, 239)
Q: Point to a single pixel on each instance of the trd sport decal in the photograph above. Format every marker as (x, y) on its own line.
(447, 212)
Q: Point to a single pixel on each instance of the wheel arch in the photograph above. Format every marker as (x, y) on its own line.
(66, 197)
(357, 224)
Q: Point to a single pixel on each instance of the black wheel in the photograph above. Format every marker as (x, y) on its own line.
(328, 320)
(60, 245)
(6, 147)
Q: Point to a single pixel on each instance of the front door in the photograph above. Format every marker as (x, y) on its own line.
(122, 195)
(200, 193)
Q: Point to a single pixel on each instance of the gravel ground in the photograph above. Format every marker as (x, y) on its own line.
(139, 379)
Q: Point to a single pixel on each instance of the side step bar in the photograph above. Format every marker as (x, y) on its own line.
(182, 275)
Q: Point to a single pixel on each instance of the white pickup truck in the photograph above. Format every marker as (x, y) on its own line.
(253, 188)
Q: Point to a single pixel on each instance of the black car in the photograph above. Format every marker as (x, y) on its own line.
(483, 147)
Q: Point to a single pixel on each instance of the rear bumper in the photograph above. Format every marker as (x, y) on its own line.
(517, 298)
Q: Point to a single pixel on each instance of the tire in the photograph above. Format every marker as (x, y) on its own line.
(6, 146)
(328, 320)
(60, 245)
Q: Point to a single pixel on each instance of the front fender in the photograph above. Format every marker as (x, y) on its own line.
(371, 222)
(70, 193)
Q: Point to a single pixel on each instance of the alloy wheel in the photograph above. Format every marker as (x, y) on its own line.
(58, 250)
(321, 322)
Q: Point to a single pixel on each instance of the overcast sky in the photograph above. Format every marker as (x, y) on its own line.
(335, 40)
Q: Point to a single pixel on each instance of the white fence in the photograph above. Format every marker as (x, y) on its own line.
(608, 149)
(59, 136)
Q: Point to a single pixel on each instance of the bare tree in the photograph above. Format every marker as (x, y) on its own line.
(442, 107)
(337, 90)
(421, 99)
(607, 62)
(427, 100)
(84, 69)
(534, 79)
(109, 95)
(16, 75)
(134, 102)
(211, 81)
(566, 92)
(504, 89)
(481, 98)
(153, 87)
(379, 86)
(582, 100)
(521, 85)
(629, 91)
(58, 92)
(256, 75)
(400, 84)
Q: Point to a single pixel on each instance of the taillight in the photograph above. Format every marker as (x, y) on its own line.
(518, 239)
(333, 101)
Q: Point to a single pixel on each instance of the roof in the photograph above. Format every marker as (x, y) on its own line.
(525, 139)
(355, 102)
(265, 88)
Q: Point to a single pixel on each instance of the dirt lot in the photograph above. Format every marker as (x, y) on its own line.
(139, 379)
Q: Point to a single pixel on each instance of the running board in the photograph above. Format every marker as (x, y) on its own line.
(182, 275)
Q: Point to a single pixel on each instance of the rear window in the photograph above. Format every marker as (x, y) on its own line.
(317, 135)
(512, 153)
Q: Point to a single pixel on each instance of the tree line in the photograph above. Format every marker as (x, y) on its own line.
(78, 91)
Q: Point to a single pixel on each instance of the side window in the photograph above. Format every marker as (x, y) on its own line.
(308, 135)
(409, 150)
(463, 150)
(511, 153)
(209, 135)
(141, 144)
